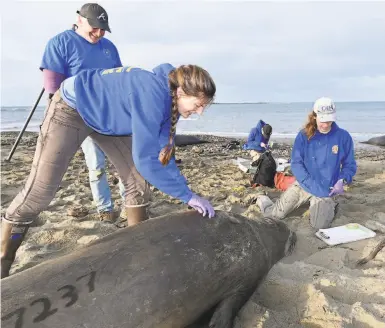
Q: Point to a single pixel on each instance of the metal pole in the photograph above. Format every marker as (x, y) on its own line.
(25, 126)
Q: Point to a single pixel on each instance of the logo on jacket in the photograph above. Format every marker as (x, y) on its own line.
(107, 52)
(335, 149)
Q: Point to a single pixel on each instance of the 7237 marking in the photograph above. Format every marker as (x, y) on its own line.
(47, 311)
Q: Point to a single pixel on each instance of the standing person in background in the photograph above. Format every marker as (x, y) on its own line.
(322, 162)
(67, 54)
(257, 142)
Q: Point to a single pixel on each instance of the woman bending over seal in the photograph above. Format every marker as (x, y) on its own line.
(137, 135)
(322, 162)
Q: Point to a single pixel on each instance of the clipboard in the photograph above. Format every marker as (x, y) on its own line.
(344, 234)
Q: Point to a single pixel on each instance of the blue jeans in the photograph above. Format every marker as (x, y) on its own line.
(100, 189)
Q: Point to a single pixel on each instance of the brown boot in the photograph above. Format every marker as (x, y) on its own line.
(107, 217)
(12, 235)
(136, 215)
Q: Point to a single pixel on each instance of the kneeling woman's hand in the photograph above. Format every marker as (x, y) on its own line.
(338, 188)
(202, 205)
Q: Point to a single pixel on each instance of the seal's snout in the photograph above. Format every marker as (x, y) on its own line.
(290, 243)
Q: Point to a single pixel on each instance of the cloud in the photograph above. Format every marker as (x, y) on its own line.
(256, 51)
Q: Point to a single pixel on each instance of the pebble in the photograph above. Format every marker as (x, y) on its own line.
(87, 239)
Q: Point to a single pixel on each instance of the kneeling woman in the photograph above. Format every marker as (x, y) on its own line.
(322, 162)
(132, 115)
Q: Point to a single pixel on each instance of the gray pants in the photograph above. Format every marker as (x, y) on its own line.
(61, 134)
(322, 210)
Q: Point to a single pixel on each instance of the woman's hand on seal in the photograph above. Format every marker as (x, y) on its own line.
(202, 205)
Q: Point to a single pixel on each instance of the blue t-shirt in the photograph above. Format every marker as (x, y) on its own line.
(141, 102)
(68, 53)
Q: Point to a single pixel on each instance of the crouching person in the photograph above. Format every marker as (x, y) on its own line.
(258, 139)
(322, 162)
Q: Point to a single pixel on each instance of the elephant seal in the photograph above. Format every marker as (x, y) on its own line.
(166, 272)
(185, 140)
(377, 141)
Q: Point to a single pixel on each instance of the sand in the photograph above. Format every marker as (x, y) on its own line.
(317, 286)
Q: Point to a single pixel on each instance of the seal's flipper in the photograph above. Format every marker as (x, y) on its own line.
(203, 321)
(227, 309)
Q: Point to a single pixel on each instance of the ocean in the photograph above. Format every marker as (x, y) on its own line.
(362, 119)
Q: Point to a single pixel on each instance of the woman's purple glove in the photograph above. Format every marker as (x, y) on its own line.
(338, 188)
(202, 205)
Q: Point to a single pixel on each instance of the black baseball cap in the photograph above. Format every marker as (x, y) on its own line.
(96, 15)
(267, 130)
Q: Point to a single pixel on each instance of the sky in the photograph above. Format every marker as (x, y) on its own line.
(255, 51)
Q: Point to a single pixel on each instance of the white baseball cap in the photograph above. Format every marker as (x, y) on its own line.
(325, 110)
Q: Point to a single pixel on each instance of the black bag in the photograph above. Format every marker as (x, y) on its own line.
(266, 169)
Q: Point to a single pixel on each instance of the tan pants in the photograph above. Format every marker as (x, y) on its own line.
(322, 209)
(61, 135)
(254, 155)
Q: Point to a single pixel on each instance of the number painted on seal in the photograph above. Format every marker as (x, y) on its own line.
(91, 282)
(19, 313)
(46, 309)
(71, 294)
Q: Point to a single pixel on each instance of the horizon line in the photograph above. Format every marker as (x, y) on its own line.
(247, 102)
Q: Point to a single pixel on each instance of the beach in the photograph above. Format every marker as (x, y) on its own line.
(316, 286)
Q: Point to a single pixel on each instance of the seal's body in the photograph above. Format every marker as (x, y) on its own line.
(377, 141)
(165, 272)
